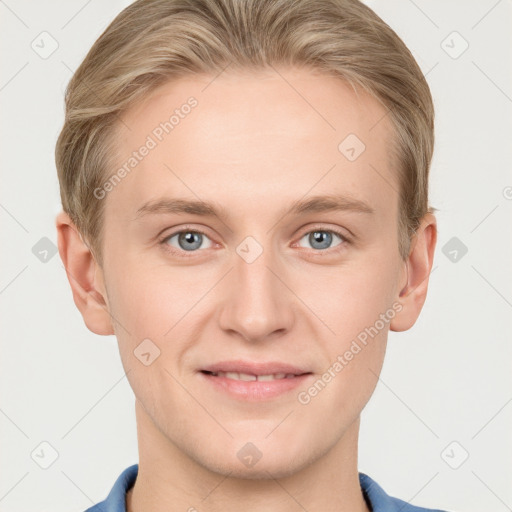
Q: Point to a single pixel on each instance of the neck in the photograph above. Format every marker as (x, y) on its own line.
(170, 480)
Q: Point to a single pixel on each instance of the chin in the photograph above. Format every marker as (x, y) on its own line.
(260, 471)
(249, 463)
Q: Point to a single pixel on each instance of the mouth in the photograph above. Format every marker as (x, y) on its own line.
(251, 381)
(248, 377)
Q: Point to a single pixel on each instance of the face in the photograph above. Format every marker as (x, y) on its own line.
(239, 322)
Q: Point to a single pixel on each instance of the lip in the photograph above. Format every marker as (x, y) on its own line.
(254, 391)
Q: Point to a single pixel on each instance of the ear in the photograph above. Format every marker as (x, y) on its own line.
(85, 277)
(416, 274)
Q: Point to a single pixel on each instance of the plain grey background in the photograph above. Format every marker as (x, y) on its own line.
(437, 430)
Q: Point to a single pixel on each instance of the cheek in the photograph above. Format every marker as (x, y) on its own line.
(149, 301)
(342, 396)
(358, 306)
(355, 302)
(157, 311)
(349, 298)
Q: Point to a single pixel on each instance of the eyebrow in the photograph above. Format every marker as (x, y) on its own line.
(315, 204)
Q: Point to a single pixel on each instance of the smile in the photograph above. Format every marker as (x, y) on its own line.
(250, 381)
(247, 377)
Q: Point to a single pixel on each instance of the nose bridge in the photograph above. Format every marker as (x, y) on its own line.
(258, 302)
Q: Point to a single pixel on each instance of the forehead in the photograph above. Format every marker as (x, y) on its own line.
(242, 137)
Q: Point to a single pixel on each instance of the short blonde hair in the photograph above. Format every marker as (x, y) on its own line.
(153, 41)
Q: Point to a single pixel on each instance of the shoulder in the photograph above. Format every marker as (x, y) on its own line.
(115, 501)
(379, 501)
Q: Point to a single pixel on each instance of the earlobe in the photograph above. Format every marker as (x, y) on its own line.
(417, 273)
(84, 276)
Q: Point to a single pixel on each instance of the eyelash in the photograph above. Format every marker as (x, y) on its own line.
(162, 241)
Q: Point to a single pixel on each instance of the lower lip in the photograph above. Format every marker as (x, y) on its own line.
(255, 390)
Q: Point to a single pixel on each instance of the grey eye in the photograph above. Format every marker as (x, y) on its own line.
(320, 239)
(188, 240)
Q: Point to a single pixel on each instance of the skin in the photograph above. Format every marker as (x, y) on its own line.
(254, 145)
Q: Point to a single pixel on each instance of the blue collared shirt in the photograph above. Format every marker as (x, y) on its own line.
(377, 499)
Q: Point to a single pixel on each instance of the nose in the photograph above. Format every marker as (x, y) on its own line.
(257, 304)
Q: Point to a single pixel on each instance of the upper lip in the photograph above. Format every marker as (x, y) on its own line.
(253, 368)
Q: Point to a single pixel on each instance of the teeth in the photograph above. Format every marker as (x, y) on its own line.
(248, 377)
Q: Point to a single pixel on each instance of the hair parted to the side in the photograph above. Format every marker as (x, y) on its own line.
(153, 41)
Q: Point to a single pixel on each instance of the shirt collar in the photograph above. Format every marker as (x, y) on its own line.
(375, 496)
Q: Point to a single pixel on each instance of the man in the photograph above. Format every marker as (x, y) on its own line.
(245, 206)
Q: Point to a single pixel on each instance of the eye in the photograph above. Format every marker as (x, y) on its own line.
(186, 240)
(322, 239)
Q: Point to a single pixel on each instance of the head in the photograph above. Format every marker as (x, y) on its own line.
(265, 115)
